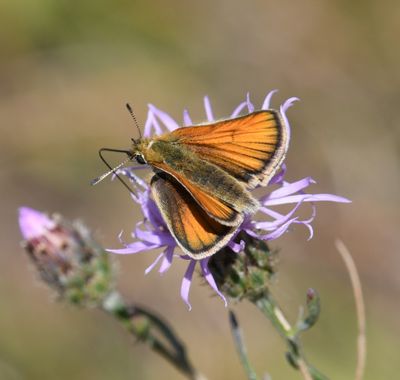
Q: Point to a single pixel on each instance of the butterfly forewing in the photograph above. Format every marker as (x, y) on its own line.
(196, 232)
(250, 148)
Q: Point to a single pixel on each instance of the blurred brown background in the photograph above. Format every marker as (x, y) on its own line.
(66, 70)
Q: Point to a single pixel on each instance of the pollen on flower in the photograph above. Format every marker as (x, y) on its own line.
(152, 234)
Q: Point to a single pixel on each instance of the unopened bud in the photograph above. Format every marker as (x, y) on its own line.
(313, 309)
(67, 257)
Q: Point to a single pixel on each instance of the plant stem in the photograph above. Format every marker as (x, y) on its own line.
(146, 327)
(240, 346)
(269, 307)
(360, 308)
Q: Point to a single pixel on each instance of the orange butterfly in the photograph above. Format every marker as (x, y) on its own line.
(203, 175)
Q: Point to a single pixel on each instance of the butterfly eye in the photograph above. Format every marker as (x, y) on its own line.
(140, 159)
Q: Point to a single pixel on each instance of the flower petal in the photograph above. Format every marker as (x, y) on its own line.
(167, 260)
(235, 247)
(207, 107)
(210, 279)
(272, 213)
(166, 119)
(283, 108)
(288, 103)
(186, 118)
(291, 188)
(277, 232)
(310, 229)
(275, 224)
(238, 109)
(266, 105)
(186, 282)
(278, 177)
(149, 236)
(306, 198)
(249, 104)
(135, 247)
(152, 213)
(154, 263)
(133, 178)
(151, 123)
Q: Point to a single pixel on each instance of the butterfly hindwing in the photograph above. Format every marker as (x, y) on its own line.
(196, 232)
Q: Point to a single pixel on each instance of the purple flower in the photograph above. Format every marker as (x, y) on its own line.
(152, 232)
(66, 257)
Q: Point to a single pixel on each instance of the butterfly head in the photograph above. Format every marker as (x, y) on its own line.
(137, 151)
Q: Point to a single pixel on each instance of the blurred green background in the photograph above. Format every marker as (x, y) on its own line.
(66, 70)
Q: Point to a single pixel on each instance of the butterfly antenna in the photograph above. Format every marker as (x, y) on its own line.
(129, 108)
(100, 178)
(113, 170)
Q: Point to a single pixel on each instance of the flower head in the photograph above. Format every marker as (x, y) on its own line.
(66, 256)
(152, 232)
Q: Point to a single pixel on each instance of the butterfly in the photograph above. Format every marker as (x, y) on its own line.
(203, 175)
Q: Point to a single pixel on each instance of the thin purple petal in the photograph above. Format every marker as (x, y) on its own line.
(166, 119)
(210, 279)
(327, 198)
(238, 109)
(133, 178)
(186, 118)
(235, 247)
(186, 282)
(275, 224)
(148, 125)
(306, 198)
(272, 213)
(288, 103)
(151, 123)
(313, 214)
(153, 264)
(278, 232)
(129, 169)
(266, 105)
(249, 104)
(207, 107)
(136, 247)
(284, 107)
(291, 188)
(156, 125)
(310, 229)
(278, 177)
(149, 236)
(167, 260)
(152, 213)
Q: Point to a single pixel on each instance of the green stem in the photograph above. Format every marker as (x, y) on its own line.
(270, 308)
(142, 324)
(240, 346)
